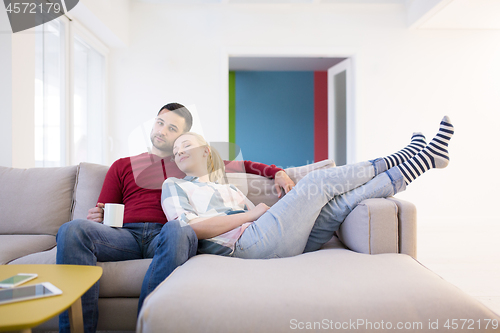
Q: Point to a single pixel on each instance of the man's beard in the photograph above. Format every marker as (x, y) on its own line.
(165, 146)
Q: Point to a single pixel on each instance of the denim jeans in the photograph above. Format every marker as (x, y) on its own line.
(333, 213)
(295, 221)
(83, 242)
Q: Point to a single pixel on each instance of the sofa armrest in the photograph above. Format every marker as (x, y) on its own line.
(407, 217)
(381, 226)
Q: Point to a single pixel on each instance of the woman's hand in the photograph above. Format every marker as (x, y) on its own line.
(213, 226)
(257, 211)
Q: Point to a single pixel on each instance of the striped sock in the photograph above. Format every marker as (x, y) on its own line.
(435, 155)
(416, 145)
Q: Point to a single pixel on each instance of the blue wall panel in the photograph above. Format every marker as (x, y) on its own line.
(275, 117)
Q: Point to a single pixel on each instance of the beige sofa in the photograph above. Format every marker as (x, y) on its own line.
(217, 294)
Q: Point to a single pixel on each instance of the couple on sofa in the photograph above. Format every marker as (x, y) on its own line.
(200, 206)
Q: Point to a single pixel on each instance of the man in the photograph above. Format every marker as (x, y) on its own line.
(136, 182)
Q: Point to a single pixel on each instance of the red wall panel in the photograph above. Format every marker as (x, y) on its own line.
(320, 116)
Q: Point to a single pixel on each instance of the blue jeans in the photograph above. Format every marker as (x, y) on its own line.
(294, 224)
(83, 242)
(333, 214)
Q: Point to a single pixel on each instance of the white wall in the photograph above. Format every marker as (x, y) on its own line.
(23, 99)
(17, 93)
(406, 80)
(106, 19)
(5, 91)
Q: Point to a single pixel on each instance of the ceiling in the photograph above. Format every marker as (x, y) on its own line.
(464, 14)
(421, 14)
(281, 63)
(274, 1)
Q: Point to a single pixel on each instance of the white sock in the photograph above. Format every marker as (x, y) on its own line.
(416, 145)
(435, 155)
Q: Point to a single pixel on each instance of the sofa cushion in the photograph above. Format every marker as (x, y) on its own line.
(16, 246)
(257, 188)
(123, 278)
(89, 180)
(44, 257)
(219, 294)
(260, 189)
(297, 173)
(35, 201)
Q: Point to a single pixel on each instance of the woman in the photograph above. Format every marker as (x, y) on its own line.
(227, 223)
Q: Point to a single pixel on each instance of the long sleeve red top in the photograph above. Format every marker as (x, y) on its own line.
(136, 182)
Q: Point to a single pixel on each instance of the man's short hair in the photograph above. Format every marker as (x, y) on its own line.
(180, 110)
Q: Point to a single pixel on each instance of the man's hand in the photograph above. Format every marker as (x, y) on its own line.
(257, 211)
(96, 214)
(282, 181)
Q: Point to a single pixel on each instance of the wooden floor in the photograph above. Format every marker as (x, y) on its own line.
(465, 253)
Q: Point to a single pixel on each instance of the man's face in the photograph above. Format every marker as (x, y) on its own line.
(168, 126)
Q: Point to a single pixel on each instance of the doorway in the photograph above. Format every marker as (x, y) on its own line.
(318, 129)
(340, 113)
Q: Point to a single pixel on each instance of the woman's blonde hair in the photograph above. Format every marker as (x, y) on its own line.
(215, 164)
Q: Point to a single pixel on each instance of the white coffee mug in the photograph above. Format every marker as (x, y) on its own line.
(113, 215)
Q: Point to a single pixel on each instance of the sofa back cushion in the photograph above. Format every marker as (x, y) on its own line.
(260, 189)
(90, 178)
(35, 201)
(297, 173)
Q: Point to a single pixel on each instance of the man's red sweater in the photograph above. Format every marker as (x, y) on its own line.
(136, 182)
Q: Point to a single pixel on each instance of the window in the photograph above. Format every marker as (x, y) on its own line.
(88, 103)
(69, 95)
(50, 93)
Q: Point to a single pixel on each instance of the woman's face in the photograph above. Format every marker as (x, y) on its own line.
(190, 156)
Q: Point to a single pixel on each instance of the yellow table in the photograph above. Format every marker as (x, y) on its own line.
(73, 280)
